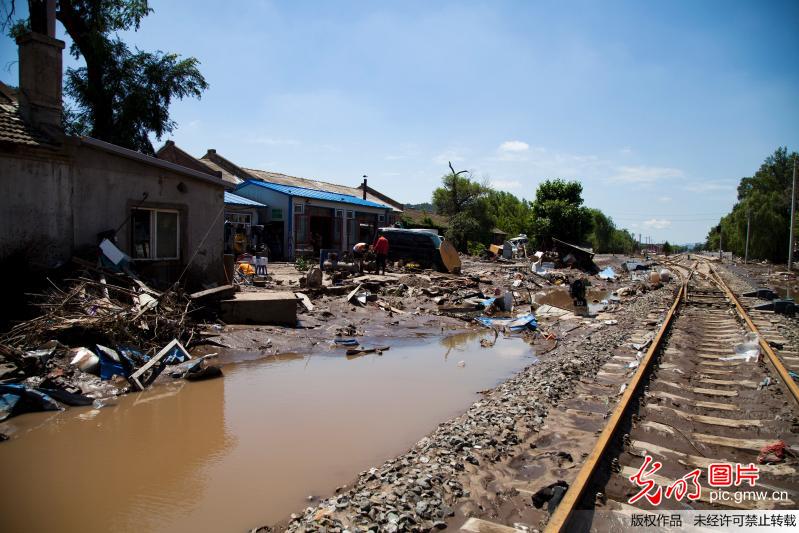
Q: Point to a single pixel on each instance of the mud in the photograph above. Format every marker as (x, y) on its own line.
(229, 454)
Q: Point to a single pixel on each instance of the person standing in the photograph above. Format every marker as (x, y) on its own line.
(381, 251)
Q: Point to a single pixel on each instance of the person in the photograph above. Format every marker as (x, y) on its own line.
(381, 251)
(358, 253)
(316, 242)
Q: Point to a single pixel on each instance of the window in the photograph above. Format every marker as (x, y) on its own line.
(277, 214)
(299, 208)
(339, 213)
(239, 219)
(156, 234)
(350, 214)
(381, 218)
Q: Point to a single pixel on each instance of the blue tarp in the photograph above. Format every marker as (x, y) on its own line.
(521, 323)
(16, 399)
(608, 273)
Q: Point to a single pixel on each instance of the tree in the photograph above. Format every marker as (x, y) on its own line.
(667, 248)
(463, 201)
(122, 96)
(766, 199)
(511, 215)
(558, 212)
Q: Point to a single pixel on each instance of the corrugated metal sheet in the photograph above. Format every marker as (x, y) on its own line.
(235, 199)
(314, 194)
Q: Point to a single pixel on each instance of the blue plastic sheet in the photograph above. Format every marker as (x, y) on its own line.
(16, 399)
(521, 323)
(608, 273)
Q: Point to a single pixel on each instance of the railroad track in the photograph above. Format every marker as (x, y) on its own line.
(690, 406)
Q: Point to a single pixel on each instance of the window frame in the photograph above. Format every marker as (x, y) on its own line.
(153, 244)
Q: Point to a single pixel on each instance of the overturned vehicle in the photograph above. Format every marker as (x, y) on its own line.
(423, 247)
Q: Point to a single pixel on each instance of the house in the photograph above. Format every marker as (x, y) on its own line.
(301, 214)
(61, 194)
(243, 230)
(293, 211)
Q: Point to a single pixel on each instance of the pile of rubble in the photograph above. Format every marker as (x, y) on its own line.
(101, 334)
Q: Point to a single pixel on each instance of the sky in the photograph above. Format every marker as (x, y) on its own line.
(657, 108)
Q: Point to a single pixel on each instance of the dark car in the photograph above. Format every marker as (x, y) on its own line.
(423, 247)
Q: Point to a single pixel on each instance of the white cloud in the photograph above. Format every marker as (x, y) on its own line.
(664, 199)
(626, 150)
(657, 223)
(514, 146)
(644, 174)
(506, 184)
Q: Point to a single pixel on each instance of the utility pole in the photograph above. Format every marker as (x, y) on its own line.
(793, 216)
(721, 233)
(748, 220)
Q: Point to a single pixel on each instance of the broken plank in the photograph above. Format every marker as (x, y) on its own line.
(305, 301)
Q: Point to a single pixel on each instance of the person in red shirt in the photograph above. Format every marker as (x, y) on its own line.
(381, 251)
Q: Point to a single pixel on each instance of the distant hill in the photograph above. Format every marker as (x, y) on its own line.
(426, 206)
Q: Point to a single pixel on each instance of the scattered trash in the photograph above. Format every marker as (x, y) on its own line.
(608, 273)
(367, 349)
(16, 399)
(518, 324)
(461, 364)
(144, 376)
(346, 342)
(747, 350)
(772, 453)
(551, 494)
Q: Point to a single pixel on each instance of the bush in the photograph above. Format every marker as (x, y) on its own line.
(301, 264)
(476, 248)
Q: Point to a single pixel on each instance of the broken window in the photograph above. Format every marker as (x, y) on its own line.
(156, 234)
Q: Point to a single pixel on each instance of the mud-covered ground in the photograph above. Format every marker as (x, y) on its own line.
(445, 477)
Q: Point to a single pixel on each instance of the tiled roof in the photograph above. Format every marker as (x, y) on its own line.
(292, 181)
(235, 199)
(226, 176)
(315, 194)
(15, 130)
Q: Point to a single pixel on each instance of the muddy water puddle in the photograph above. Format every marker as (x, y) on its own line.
(246, 450)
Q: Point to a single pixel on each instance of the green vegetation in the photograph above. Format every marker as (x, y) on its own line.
(474, 209)
(766, 197)
(122, 96)
(464, 201)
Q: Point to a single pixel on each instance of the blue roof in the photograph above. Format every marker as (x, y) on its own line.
(231, 198)
(315, 194)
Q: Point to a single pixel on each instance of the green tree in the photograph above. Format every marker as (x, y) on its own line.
(511, 215)
(558, 212)
(667, 248)
(122, 96)
(464, 202)
(765, 197)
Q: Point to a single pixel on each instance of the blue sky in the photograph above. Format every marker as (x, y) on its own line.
(658, 108)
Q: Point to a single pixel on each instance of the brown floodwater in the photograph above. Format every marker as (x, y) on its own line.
(246, 450)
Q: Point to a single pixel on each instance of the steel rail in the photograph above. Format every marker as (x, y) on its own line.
(773, 358)
(560, 518)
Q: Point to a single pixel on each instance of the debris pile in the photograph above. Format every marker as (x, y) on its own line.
(65, 354)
